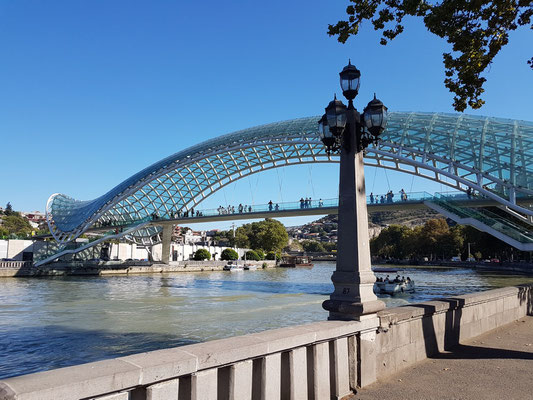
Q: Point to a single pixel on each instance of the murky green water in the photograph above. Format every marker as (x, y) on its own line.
(55, 322)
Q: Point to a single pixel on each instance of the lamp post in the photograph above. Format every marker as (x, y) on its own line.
(343, 130)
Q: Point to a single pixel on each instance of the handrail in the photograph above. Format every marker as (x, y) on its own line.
(486, 217)
(385, 198)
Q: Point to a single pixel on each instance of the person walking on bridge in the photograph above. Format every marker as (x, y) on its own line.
(270, 205)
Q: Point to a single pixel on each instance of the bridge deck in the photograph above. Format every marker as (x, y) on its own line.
(495, 365)
(298, 212)
(415, 201)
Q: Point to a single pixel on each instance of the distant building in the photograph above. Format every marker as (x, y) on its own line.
(35, 218)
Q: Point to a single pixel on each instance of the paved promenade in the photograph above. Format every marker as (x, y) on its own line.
(496, 365)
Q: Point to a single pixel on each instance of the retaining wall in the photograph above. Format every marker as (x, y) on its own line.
(316, 361)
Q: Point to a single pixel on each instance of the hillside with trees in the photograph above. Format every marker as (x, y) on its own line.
(13, 225)
(407, 235)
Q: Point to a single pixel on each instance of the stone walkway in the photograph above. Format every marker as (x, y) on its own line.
(496, 365)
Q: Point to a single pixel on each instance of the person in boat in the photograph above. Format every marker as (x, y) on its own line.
(403, 279)
(408, 280)
(397, 279)
(387, 280)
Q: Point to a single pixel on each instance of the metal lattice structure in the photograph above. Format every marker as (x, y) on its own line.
(490, 155)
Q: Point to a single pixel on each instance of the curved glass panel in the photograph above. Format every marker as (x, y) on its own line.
(491, 155)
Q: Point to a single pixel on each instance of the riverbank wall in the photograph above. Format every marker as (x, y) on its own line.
(322, 360)
(25, 269)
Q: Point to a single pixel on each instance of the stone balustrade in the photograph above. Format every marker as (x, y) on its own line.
(321, 360)
(15, 264)
(309, 361)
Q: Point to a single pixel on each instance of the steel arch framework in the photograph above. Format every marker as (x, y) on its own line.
(490, 155)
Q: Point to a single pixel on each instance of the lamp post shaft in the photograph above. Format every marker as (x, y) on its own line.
(353, 278)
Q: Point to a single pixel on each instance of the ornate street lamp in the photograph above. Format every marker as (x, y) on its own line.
(326, 136)
(350, 81)
(342, 129)
(375, 117)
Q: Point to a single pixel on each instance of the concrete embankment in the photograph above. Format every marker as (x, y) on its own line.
(117, 268)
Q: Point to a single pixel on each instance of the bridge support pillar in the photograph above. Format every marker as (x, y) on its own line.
(353, 279)
(167, 236)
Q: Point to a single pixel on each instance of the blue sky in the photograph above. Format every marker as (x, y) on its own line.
(92, 92)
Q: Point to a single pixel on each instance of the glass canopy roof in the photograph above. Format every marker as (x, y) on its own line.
(491, 155)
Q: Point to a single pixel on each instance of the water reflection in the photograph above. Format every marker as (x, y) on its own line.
(55, 322)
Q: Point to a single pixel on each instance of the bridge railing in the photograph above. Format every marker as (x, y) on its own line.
(303, 204)
(486, 217)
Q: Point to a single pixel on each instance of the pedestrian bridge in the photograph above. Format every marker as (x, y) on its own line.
(492, 156)
(465, 209)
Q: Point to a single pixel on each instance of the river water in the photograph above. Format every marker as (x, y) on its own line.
(55, 322)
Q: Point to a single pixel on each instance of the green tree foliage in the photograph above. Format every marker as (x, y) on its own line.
(225, 238)
(15, 224)
(330, 246)
(271, 255)
(484, 245)
(9, 209)
(313, 246)
(476, 30)
(392, 242)
(434, 239)
(260, 253)
(251, 255)
(229, 254)
(269, 235)
(202, 254)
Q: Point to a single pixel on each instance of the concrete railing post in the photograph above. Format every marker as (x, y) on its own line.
(339, 369)
(271, 377)
(367, 354)
(298, 374)
(163, 391)
(352, 362)
(321, 376)
(240, 381)
(204, 385)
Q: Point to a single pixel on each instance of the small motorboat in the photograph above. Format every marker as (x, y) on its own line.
(385, 269)
(248, 267)
(394, 287)
(233, 267)
(295, 261)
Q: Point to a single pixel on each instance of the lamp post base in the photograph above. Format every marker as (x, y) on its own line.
(354, 295)
(352, 311)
